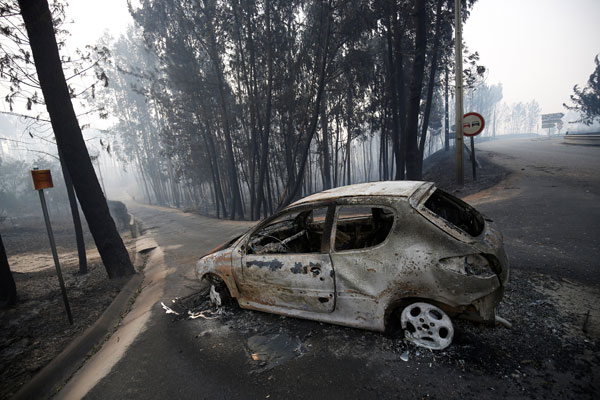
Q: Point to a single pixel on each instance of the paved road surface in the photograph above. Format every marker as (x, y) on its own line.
(549, 209)
(549, 212)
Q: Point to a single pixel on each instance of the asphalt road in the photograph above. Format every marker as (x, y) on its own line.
(549, 208)
(548, 211)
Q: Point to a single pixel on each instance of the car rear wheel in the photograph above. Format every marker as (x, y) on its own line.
(427, 326)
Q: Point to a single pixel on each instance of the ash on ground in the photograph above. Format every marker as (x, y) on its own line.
(545, 346)
(36, 329)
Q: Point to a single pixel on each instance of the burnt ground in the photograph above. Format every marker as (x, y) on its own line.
(551, 351)
(545, 354)
(556, 329)
(37, 329)
(436, 169)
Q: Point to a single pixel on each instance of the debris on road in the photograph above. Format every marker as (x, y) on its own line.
(215, 297)
(274, 350)
(404, 356)
(585, 322)
(145, 244)
(168, 309)
(206, 314)
(547, 345)
(194, 310)
(503, 322)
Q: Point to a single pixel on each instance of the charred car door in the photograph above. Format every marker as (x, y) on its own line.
(362, 261)
(286, 262)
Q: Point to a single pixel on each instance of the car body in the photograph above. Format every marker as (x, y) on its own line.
(355, 255)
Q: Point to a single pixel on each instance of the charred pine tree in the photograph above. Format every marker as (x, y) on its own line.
(236, 200)
(40, 30)
(325, 146)
(349, 128)
(264, 158)
(8, 289)
(307, 137)
(395, 60)
(416, 86)
(430, 85)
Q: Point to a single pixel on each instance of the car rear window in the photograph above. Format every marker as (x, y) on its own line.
(455, 212)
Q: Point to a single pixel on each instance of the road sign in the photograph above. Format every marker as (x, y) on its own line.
(42, 179)
(546, 125)
(473, 124)
(552, 117)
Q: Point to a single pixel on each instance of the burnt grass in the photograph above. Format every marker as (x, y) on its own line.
(436, 169)
(36, 329)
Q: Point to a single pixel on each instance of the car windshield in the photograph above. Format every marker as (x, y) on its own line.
(293, 232)
(455, 212)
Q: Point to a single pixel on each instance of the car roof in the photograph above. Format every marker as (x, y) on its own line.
(385, 188)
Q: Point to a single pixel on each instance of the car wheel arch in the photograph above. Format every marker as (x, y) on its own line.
(216, 279)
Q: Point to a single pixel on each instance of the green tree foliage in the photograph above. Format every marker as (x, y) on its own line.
(587, 100)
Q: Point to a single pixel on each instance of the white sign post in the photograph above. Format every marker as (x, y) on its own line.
(550, 121)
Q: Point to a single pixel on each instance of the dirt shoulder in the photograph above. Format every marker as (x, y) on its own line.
(37, 329)
(436, 169)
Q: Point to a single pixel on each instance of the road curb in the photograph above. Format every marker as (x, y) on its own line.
(582, 140)
(54, 375)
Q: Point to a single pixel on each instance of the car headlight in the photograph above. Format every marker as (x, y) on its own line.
(471, 265)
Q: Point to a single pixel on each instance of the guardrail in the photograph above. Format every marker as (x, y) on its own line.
(583, 140)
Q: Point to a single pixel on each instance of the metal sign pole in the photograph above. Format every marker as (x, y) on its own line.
(43, 179)
(55, 255)
(473, 157)
(473, 124)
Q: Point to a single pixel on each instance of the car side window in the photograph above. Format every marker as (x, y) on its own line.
(294, 232)
(360, 227)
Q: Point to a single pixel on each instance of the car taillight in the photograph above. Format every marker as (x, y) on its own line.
(471, 265)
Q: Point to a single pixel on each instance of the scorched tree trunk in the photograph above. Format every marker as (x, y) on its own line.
(38, 22)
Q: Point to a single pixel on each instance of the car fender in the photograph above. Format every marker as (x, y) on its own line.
(218, 263)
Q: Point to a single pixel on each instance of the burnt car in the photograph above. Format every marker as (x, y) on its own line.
(363, 254)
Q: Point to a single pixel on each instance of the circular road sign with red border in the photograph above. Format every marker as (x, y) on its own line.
(473, 124)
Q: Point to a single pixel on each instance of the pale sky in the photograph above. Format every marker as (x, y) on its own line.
(538, 49)
(92, 18)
